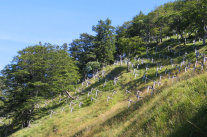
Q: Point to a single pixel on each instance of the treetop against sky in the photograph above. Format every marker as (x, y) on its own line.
(25, 23)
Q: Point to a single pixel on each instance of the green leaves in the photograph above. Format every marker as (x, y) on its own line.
(104, 41)
(35, 73)
(92, 66)
(82, 50)
(132, 46)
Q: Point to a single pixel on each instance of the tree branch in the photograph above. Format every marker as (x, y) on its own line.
(69, 95)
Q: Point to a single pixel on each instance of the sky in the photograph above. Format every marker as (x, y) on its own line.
(27, 22)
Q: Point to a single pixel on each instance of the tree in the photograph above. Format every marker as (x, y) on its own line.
(2, 95)
(138, 26)
(37, 72)
(121, 31)
(196, 12)
(160, 19)
(132, 46)
(92, 67)
(177, 20)
(82, 50)
(104, 41)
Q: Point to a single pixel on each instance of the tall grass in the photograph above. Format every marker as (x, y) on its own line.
(176, 109)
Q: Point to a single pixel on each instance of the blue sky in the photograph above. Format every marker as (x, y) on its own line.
(26, 22)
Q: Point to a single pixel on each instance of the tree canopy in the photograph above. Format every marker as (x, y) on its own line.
(45, 71)
(37, 72)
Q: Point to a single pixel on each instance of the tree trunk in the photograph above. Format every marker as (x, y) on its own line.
(37, 92)
(28, 123)
(160, 34)
(85, 75)
(205, 34)
(185, 40)
(120, 60)
(182, 38)
(69, 96)
(204, 39)
(177, 38)
(157, 39)
(27, 117)
(128, 68)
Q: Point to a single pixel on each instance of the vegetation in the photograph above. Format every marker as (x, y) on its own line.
(176, 109)
(38, 72)
(90, 88)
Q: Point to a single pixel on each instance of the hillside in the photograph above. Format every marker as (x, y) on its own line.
(146, 77)
(175, 107)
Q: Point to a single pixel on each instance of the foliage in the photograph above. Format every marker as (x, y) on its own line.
(2, 94)
(82, 50)
(42, 72)
(92, 66)
(181, 17)
(132, 46)
(37, 72)
(104, 41)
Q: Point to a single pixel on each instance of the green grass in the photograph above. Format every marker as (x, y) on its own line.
(176, 108)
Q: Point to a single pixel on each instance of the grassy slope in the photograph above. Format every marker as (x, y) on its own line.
(176, 109)
(180, 110)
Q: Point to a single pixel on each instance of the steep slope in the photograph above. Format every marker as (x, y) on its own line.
(176, 107)
(180, 110)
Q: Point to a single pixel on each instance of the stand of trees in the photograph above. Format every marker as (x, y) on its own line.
(184, 18)
(44, 71)
(37, 72)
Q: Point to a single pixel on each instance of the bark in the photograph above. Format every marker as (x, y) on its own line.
(85, 75)
(28, 123)
(205, 28)
(27, 117)
(204, 39)
(177, 37)
(149, 37)
(182, 38)
(157, 39)
(177, 33)
(185, 40)
(69, 96)
(160, 34)
(120, 60)
(37, 92)
(128, 69)
(205, 34)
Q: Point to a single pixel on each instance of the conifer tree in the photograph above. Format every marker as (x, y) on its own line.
(104, 41)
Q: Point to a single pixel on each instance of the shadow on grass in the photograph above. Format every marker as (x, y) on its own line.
(124, 115)
(7, 130)
(110, 76)
(132, 85)
(45, 110)
(117, 119)
(195, 127)
(176, 47)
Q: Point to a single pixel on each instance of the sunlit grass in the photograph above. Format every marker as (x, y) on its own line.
(175, 106)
